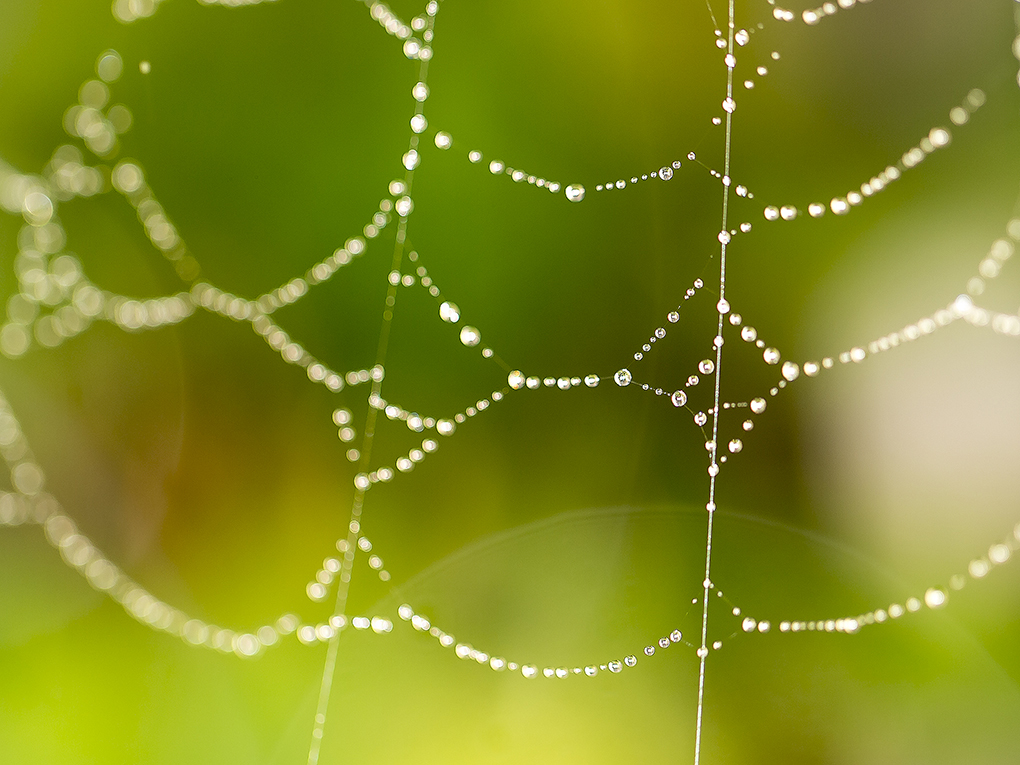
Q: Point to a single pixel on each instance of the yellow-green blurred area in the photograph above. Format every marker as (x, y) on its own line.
(561, 528)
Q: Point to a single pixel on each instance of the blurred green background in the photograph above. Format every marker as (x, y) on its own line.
(559, 527)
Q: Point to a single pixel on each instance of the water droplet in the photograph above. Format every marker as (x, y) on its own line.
(839, 206)
(615, 666)
(735, 445)
(630, 661)
(702, 652)
(419, 123)
(650, 650)
(591, 381)
(666, 173)
(723, 306)
(771, 213)
(758, 405)
(664, 642)
(676, 636)
(496, 167)
(420, 92)
(529, 671)
(109, 66)
(788, 212)
(403, 206)
(748, 425)
(771, 356)
(449, 312)
(742, 37)
(591, 670)
(443, 140)
(679, 398)
(700, 419)
(706, 367)
(623, 378)
(470, 336)
(515, 379)
(791, 371)
(934, 598)
(729, 105)
(749, 334)
(693, 380)
(673, 317)
(411, 160)
(575, 192)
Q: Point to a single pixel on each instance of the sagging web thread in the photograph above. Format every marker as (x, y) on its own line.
(56, 301)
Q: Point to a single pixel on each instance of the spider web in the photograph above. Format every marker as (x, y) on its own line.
(653, 358)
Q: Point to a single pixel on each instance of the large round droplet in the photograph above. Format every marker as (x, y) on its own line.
(449, 312)
(109, 66)
(515, 379)
(673, 317)
(591, 381)
(749, 334)
(791, 371)
(666, 173)
(735, 445)
(758, 405)
(575, 192)
(470, 336)
(700, 419)
(679, 398)
(403, 206)
(771, 356)
(706, 367)
(729, 105)
(623, 377)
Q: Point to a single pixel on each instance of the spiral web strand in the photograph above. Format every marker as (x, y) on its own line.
(56, 302)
